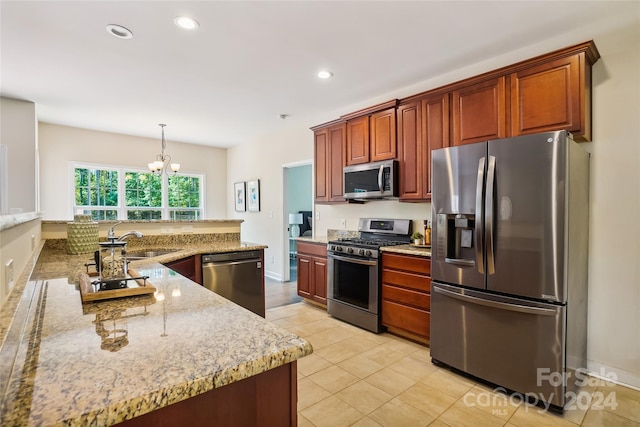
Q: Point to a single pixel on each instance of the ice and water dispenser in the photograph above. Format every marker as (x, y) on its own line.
(455, 239)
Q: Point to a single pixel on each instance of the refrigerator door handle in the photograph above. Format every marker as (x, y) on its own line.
(478, 220)
(489, 214)
(495, 304)
(463, 262)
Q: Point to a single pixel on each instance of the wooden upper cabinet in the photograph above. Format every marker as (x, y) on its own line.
(321, 164)
(435, 131)
(423, 126)
(371, 134)
(383, 135)
(329, 160)
(411, 151)
(336, 155)
(358, 141)
(480, 112)
(551, 96)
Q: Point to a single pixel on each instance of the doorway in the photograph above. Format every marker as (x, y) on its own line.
(298, 205)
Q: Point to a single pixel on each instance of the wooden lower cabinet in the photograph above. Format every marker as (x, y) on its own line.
(406, 282)
(312, 271)
(266, 399)
(190, 267)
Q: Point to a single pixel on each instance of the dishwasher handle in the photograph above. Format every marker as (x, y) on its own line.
(231, 256)
(223, 263)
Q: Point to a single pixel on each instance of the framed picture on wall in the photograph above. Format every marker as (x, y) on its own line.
(239, 196)
(253, 195)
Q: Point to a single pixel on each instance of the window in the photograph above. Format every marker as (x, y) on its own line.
(143, 195)
(96, 192)
(100, 191)
(184, 197)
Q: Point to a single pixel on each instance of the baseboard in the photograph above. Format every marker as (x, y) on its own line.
(618, 376)
(273, 275)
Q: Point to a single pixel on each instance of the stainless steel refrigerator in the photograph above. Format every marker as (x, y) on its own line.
(509, 263)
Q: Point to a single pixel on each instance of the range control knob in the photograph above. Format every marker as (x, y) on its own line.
(350, 250)
(361, 252)
(368, 253)
(332, 247)
(338, 248)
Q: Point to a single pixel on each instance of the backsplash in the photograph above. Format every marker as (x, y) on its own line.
(341, 234)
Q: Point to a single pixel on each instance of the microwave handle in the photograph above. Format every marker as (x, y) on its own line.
(380, 175)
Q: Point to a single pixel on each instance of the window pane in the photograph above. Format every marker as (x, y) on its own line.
(143, 189)
(184, 191)
(184, 215)
(96, 187)
(144, 214)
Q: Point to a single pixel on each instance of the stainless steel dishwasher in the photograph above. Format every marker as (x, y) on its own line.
(237, 276)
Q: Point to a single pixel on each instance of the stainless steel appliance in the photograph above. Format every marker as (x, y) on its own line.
(237, 276)
(378, 180)
(509, 262)
(353, 270)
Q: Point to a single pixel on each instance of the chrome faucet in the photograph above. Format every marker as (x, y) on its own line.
(112, 234)
(130, 233)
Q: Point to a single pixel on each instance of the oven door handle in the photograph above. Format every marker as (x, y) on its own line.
(353, 260)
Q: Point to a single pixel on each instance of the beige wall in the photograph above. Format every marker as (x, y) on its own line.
(61, 145)
(264, 160)
(614, 255)
(18, 132)
(17, 244)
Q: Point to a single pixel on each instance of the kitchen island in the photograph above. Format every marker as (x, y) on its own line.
(184, 355)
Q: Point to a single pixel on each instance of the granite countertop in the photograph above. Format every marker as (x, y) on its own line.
(319, 240)
(55, 262)
(408, 250)
(105, 362)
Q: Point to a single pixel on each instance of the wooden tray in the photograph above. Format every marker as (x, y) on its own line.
(135, 287)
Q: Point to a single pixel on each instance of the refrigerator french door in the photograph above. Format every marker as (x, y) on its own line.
(509, 260)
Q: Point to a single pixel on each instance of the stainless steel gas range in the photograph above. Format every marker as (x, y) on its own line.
(353, 283)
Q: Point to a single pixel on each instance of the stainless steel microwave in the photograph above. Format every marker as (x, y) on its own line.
(378, 180)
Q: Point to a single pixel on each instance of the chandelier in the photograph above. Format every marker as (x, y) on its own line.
(163, 161)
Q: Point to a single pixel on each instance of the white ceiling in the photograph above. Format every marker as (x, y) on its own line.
(227, 82)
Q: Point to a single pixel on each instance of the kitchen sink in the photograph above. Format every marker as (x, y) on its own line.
(132, 256)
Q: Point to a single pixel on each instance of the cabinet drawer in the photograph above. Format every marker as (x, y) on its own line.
(408, 280)
(406, 296)
(317, 249)
(407, 318)
(416, 264)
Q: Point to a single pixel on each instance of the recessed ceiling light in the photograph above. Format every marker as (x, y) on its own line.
(324, 74)
(186, 22)
(119, 31)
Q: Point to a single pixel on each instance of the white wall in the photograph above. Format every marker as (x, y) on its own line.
(614, 256)
(18, 133)
(60, 145)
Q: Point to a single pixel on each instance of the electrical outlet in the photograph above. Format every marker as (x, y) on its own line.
(343, 223)
(318, 215)
(270, 214)
(33, 242)
(187, 229)
(273, 259)
(8, 274)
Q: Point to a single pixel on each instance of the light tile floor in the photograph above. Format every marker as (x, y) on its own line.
(357, 378)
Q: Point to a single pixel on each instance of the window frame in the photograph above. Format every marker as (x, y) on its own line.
(121, 209)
